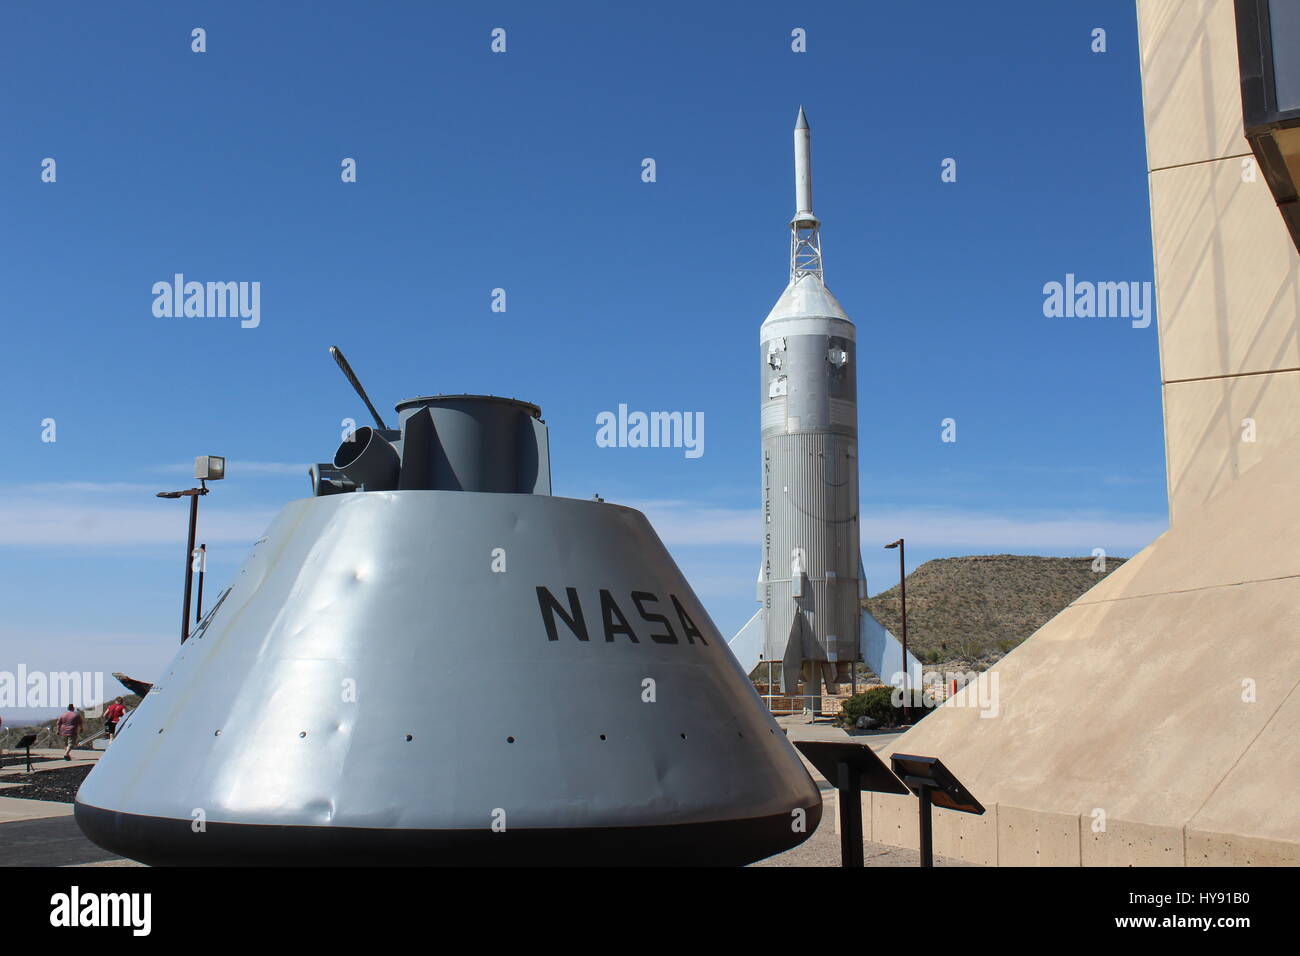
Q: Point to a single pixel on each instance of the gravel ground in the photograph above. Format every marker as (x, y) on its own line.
(57, 785)
(16, 758)
(823, 849)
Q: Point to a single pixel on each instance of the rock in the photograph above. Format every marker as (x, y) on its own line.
(867, 723)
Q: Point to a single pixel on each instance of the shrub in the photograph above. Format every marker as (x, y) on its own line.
(878, 702)
(873, 702)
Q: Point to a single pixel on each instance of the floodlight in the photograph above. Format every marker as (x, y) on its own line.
(209, 468)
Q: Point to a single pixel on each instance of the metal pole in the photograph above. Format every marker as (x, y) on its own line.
(927, 848)
(203, 565)
(902, 591)
(850, 794)
(189, 565)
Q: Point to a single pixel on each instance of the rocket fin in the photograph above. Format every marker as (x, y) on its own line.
(795, 654)
(747, 645)
(829, 674)
(883, 653)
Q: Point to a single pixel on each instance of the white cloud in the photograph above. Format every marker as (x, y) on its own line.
(137, 654)
(82, 487)
(682, 524)
(86, 514)
(1077, 532)
(236, 467)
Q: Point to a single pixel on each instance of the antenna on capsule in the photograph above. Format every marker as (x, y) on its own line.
(352, 378)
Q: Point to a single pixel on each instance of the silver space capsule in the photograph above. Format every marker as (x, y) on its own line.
(433, 660)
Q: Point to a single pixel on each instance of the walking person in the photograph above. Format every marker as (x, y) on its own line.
(113, 713)
(69, 727)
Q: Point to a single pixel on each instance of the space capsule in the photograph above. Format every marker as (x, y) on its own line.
(432, 660)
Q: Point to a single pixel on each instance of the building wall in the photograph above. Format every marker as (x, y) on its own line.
(1227, 273)
(1155, 720)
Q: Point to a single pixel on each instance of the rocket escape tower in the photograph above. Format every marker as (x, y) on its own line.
(805, 228)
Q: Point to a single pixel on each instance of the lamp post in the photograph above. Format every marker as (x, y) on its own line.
(200, 557)
(902, 593)
(206, 468)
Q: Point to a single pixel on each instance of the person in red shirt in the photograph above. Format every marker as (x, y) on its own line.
(112, 714)
(68, 727)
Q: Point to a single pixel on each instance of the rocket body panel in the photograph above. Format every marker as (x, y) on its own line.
(811, 545)
(811, 552)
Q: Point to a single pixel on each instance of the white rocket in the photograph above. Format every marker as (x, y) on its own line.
(811, 582)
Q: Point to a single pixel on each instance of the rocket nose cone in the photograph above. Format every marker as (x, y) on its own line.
(802, 121)
(807, 298)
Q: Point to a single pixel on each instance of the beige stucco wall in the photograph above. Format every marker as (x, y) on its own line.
(1227, 273)
(1156, 720)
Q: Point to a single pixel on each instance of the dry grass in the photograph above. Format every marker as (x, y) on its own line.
(976, 607)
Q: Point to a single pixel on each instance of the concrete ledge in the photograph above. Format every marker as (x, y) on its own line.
(967, 836)
(831, 801)
(957, 836)
(1016, 836)
(1224, 849)
(893, 820)
(1131, 844)
(1037, 838)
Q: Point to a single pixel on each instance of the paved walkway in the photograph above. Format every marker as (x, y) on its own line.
(53, 841)
(43, 832)
(15, 808)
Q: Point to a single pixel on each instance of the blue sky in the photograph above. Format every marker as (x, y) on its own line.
(522, 170)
